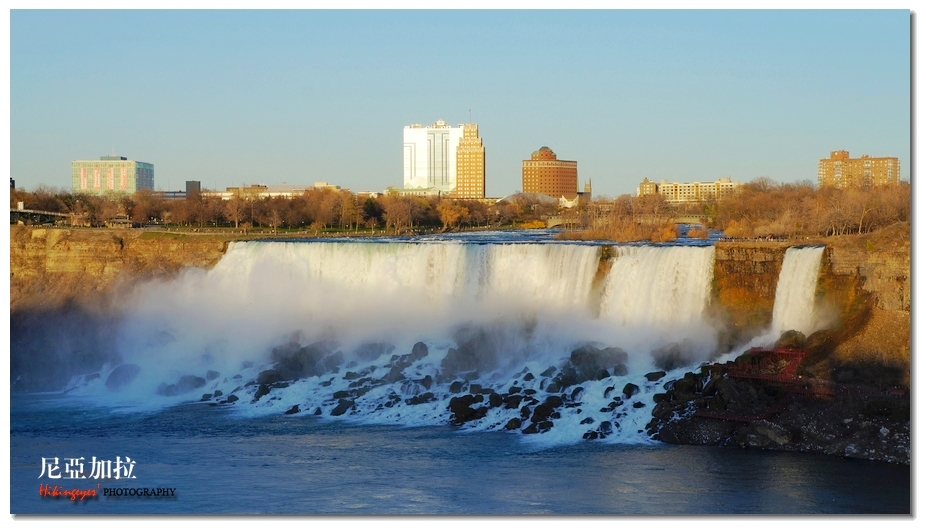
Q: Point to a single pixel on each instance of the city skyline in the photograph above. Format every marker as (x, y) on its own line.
(231, 97)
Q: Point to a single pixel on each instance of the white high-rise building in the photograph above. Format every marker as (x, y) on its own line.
(430, 156)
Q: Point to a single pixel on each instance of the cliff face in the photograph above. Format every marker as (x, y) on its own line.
(745, 278)
(49, 267)
(864, 285)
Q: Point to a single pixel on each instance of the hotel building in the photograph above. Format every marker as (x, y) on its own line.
(544, 174)
(841, 171)
(111, 174)
(471, 165)
(430, 156)
(689, 192)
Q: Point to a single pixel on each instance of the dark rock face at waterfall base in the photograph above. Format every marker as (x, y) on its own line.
(714, 408)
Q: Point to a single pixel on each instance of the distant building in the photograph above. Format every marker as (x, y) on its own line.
(471, 165)
(111, 175)
(258, 191)
(193, 188)
(545, 174)
(689, 192)
(841, 171)
(429, 156)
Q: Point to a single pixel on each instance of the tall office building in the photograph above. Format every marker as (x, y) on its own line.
(841, 171)
(471, 164)
(111, 174)
(430, 156)
(545, 174)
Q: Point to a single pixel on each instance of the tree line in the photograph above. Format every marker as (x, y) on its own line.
(761, 208)
(315, 210)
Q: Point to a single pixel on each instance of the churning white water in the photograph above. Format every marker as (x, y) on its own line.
(496, 319)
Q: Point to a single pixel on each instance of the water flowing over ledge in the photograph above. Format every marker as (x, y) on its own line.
(566, 339)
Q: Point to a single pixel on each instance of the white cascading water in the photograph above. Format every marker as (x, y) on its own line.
(663, 287)
(795, 296)
(796, 291)
(529, 305)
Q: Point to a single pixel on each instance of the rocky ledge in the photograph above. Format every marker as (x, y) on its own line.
(755, 402)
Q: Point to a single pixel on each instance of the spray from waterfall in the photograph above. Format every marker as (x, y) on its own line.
(393, 332)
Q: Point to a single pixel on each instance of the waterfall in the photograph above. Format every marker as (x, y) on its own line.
(796, 291)
(665, 287)
(404, 327)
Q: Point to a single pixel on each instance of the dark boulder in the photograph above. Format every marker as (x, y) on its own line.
(630, 389)
(513, 401)
(590, 361)
(419, 351)
(371, 351)
(426, 382)
(421, 398)
(791, 339)
(312, 360)
(542, 412)
(122, 375)
(342, 407)
(655, 376)
(495, 400)
(262, 391)
(576, 393)
(549, 372)
(461, 407)
(513, 424)
(528, 377)
(456, 387)
(269, 376)
(669, 357)
(292, 410)
(211, 375)
(231, 399)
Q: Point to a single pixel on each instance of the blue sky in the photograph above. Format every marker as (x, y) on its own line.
(232, 97)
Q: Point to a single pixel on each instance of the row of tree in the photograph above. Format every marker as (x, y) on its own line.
(761, 208)
(316, 209)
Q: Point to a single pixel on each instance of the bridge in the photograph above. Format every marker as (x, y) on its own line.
(32, 216)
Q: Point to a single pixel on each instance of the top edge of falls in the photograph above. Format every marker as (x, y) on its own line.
(486, 237)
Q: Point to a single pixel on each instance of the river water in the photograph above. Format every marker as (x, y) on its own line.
(222, 464)
(399, 328)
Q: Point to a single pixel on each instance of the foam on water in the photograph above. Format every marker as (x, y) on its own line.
(518, 308)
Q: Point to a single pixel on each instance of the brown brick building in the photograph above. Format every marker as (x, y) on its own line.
(545, 174)
(841, 171)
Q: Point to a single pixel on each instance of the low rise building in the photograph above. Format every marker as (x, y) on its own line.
(676, 192)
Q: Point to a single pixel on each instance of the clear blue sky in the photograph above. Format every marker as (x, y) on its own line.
(232, 97)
